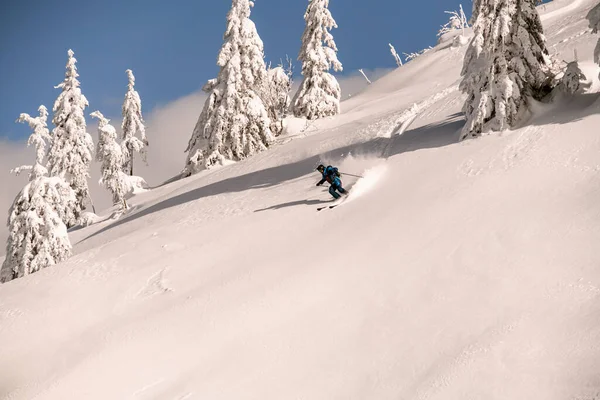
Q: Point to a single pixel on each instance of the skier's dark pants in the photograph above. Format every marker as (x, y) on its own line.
(336, 186)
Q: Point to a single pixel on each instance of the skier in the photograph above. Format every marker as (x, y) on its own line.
(331, 175)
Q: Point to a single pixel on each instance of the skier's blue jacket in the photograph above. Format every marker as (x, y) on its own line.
(331, 175)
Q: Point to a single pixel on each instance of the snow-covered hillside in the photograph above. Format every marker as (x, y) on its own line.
(454, 271)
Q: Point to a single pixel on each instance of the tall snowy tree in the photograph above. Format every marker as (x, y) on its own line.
(72, 147)
(276, 95)
(319, 94)
(133, 124)
(506, 65)
(37, 234)
(38, 138)
(234, 122)
(110, 154)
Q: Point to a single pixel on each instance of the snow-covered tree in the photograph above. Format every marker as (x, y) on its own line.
(234, 123)
(72, 147)
(319, 93)
(395, 55)
(110, 154)
(573, 78)
(276, 95)
(133, 124)
(38, 138)
(458, 21)
(37, 234)
(594, 22)
(506, 65)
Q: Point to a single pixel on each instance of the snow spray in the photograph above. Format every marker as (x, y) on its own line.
(364, 185)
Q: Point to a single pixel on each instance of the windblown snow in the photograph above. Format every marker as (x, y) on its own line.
(458, 270)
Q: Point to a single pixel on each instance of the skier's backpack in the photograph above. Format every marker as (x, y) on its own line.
(331, 173)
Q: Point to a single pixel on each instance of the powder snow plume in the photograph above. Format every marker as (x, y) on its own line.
(365, 184)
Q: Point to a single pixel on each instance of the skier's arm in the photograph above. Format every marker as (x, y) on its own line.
(322, 181)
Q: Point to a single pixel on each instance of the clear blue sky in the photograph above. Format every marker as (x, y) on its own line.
(172, 45)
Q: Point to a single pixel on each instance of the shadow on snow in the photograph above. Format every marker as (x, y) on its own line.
(295, 203)
(429, 136)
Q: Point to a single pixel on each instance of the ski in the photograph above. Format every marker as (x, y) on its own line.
(337, 203)
(327, 206)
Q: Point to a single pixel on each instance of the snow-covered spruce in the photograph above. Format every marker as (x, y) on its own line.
(573, 80)
(37, 234)
(594, 22)
(319, 93)
(133, 124)
(38, 138)
(506, 65)
(110, 154)
(234, 123)
(72, 147)
(277, 96)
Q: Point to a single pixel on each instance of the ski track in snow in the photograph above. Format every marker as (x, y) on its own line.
(560, 12)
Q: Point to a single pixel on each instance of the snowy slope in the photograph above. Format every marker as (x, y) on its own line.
(454, 271)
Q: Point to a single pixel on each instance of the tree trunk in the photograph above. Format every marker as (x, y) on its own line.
(130, 161)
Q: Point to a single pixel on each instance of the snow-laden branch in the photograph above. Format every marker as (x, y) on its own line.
(363, 74)
(412, 56)
(395, 55)
(458, 20)
(17, 171)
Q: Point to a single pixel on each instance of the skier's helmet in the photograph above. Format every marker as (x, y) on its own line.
(321, 168)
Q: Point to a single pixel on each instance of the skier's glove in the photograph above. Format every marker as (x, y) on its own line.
(319, 183)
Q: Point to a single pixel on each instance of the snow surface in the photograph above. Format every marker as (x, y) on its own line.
(459, 271)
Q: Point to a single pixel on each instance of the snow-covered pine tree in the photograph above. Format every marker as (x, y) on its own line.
(277, 95)
(573, 79)
(234, 123)
(38, 138)
(506, 65)
(37, 234)
(72, 147)
(594, 22)
(133, 124)
(110, 154)
(319, 93)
